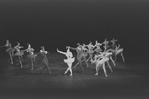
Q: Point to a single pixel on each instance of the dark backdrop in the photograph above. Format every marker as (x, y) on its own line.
(58, 23)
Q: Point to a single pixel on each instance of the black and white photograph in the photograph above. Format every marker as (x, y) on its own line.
(74, 49)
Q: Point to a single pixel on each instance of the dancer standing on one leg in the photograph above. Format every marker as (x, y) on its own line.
(70, 59)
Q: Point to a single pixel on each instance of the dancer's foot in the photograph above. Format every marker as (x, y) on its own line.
(96, 74)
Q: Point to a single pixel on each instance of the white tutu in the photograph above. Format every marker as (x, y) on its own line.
(70, 60)
(19, 54)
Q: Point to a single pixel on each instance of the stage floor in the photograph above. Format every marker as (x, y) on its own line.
(128, 80)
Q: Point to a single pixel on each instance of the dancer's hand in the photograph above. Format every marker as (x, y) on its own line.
(57, 50)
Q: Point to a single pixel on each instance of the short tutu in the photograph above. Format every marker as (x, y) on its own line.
(70, 60)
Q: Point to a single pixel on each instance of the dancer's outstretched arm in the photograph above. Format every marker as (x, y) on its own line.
(72, 48)
(61, 52)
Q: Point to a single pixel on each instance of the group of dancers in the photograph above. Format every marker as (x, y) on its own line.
(17, 51)
(93, 54)
(99, 54)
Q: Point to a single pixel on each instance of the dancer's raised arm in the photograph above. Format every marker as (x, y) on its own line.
(6, 45)
(97, 44)
(117, 47)
(61, 52)
(113, 41)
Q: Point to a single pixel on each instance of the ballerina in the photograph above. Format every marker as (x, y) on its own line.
(100, 61)
(118, 51)
(70, 59)
(81, 56)
(97, 47)
(45, 59)
(106, 44)
(90, 51)
(31, 55)
(9, 50)
(19, 53)
(113, 43)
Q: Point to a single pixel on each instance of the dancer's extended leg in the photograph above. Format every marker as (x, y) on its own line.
(47, 65)
(79, 63)
(20, 62)
(85, 61)
(70, 68)
(32, 63)
(115, 57)
(11, 58)
(122, 57)
(109, 66)
(66, 71)
(112, 60)
(97, 69)
(104, 69)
